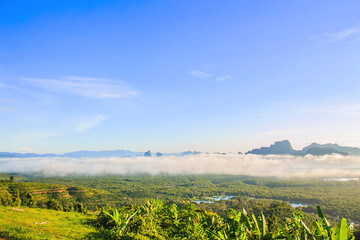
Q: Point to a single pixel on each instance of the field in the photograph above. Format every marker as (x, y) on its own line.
(36, 223)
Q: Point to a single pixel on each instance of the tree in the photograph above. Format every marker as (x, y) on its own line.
(68, 207)
(53, 204)
(16, 199)
(12, 178)
(79, 207)
(5, 198)
(27, 199)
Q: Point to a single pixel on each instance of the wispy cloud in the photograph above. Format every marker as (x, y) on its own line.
(285, 132)
(10, 87)
(83, 126)
(27, 150)
(348, 110)
(7, 109)
(199, 74)
(345, 34)
(6, 104)
(84, 86)
(223, 78)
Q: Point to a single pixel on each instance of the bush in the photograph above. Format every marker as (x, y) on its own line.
(16, 200)
(53, 204)
(27, 199)
(5, 198)
(156, 220)
(68, 207)
(79, 207)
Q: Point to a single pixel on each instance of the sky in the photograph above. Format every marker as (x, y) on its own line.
(171, 76)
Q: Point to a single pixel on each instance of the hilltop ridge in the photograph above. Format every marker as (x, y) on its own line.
(284, 148)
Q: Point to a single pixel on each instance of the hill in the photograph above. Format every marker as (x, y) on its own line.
(35, 223)
(37, 194)
(336, 147)
(284, 148)
(279, 148)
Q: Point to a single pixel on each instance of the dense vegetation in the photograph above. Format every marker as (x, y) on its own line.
(52, 196)
(155, 220)
(119, 209)
(338, 199)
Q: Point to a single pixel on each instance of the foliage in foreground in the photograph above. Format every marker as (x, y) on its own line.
(156, 220)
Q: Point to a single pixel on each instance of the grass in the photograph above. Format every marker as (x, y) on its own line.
(59, 225)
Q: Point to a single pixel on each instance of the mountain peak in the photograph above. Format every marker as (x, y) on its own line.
(280, 147)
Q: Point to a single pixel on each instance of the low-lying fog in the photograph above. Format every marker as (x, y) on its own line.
(329, 166)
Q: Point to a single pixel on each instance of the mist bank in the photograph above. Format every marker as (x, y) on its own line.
(283, 166)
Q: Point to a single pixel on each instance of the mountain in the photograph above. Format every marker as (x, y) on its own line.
(114, 153)
(189, 153)
(147, 154)
(24, 155)
(284, 148)
(348, 150)
(279, 148)
(7, 155)
(78, 154)
(320, 151)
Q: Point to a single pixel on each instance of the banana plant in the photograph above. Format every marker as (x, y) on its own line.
(121, 223)
(342, 231)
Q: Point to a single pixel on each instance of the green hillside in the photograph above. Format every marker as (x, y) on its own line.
(38, 194)
(35, 223)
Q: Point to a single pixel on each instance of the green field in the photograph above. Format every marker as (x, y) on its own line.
(36, 223)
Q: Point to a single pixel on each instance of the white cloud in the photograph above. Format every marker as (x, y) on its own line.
(199, 74)
(350, 33)
(223, 78)
(329, 166)
(84, 86)
(83, 126)
(27, 150)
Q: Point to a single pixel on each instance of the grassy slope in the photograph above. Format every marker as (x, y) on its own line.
(61, 225)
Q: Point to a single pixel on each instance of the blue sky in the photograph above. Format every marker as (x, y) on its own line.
(178, 75)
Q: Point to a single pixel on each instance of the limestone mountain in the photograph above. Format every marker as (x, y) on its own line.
(279, 148)
(284, 148)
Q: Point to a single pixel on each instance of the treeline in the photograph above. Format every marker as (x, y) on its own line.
(66, 207)
(11, 195)
(19, 194)
(156, 220)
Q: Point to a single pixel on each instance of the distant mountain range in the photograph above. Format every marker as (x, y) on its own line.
(78, 154)
(278, 148)
(284, 148)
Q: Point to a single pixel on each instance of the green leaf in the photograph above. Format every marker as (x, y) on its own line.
(322, 216)
(340, 231)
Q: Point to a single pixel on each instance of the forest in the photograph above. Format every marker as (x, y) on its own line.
(338, 199)
(193, 206)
